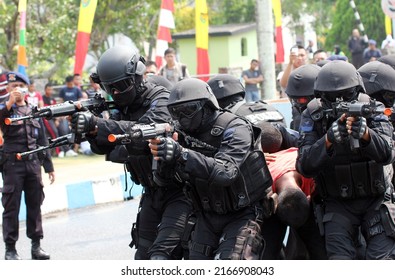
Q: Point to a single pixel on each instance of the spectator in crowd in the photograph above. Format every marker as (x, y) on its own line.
(34, 97)
(310, 49)
(77, 80)
(337, 51)
(371, 53)
(297, 58)
(150, 68)
(68, 93)
(319, 55)
(173, 71)
(388, 45)
(51, 125)
(252, 77)
(356, 46)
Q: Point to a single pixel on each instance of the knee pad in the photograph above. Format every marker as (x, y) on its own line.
(250, 244)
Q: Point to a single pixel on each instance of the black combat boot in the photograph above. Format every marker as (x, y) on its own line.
(37, 252)
(11, 253)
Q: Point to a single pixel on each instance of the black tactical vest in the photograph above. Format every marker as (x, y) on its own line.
(252, 181)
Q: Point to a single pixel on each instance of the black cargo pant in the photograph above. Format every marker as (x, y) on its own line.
(21, 176)
(342, 221)
(161, 223)
(216, 236)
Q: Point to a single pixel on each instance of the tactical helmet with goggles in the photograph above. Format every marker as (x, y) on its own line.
(225, 85)
(338, 80)
(300, 87)
(119, 69)
(189, 90)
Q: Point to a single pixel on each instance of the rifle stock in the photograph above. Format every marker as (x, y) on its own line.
(96, 105)
(56, 142)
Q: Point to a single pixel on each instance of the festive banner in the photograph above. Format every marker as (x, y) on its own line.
(279, 31)
(201, 22)
(388, 25)
(22, 58)
(85, 22)
(163, 38)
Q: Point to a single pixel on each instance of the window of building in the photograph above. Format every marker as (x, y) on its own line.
(244, 47)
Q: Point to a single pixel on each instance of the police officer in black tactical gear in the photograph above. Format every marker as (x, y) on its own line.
(22, 175)
(379, 82)
(300, 90)
(350, 178)
(163, 207)
(230, 93)
(215, 155)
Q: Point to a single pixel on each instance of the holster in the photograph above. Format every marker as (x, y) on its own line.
(387, 213)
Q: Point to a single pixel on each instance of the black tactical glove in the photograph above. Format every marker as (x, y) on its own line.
(337, 133)
(169, 150)
(358, 127)
(83, 122)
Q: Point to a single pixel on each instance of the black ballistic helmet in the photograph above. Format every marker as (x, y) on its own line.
(225, 85)
(338, 76)
(120, 63)
(192, 90)
(388, 59)
(377, 76)
(301, 81)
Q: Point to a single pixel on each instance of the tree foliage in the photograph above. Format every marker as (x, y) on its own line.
(372, 18)
(52, 26)
(51, 31)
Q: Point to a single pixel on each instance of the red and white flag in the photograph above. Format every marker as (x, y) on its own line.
(166, 22)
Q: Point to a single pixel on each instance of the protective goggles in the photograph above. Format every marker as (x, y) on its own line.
(119, 86)
(341, 95)
(301, 100)
(188, 109)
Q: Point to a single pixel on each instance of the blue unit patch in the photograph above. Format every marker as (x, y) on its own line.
(153, 105)
(228, 134)
(306, 125)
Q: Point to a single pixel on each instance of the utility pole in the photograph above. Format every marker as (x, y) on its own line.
(265, 25)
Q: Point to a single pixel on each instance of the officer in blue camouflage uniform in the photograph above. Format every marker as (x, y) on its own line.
(25, 174)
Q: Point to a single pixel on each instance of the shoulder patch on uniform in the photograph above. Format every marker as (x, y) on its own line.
(380, 117)
(153, 104)
(306, 125)
(228, 134)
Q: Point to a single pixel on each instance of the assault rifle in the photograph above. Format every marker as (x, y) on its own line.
(153, 130)
(96, 105)
(56, 142)
(143, 132)
(359, 109)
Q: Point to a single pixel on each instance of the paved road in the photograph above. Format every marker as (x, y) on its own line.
(95, 233)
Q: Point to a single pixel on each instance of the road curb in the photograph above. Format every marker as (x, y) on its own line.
(85, 193)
